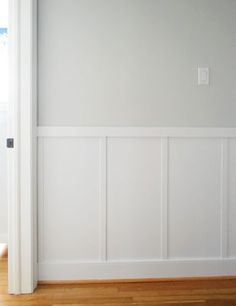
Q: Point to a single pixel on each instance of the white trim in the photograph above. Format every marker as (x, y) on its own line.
(34, 119)
(164, 264)
(13, 154)
(103, 198)
(164, 196)
(40, 214)
(224, 198)
(22, 122)
(26, 137)
(203, 132)
(137, 269)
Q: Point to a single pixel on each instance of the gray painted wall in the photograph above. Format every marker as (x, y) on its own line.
(134, 62)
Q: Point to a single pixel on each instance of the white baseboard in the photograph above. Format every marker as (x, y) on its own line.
(132, 270)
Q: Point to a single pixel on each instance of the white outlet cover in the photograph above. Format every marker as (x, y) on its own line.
(203, 76)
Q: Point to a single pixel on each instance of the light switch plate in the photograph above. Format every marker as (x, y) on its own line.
(203, 76)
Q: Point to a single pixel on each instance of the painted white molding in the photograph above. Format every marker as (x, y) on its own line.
(133, 269)
(103, 198)
(203, 132)
(40, 186)
(164, 197)
(14, 276)
(27, 142)
(21, 159)
(224, 198)
(150, 190)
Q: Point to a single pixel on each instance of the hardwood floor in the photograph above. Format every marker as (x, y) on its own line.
(217, 292)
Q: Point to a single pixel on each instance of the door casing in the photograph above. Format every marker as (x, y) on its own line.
(22, 122)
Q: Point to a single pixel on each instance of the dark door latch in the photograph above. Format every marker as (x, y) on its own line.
(10, 142)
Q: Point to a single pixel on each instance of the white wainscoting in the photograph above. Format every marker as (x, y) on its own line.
(136, 202)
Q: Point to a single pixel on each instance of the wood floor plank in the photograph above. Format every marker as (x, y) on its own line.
(148, 304)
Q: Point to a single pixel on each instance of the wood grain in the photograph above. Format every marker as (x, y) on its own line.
(181, 292)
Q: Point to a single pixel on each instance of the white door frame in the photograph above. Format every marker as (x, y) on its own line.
(22, 268)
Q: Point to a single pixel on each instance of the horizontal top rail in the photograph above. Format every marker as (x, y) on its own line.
(201, 132)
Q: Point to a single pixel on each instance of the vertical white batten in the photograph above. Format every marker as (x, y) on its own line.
(224, 198)
(103, 198)
(40, 197)
(164, 197)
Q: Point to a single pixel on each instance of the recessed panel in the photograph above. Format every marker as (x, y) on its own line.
(194, 198)
(68, 199)
(134, 194)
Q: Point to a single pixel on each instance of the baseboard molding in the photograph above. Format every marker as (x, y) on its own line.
(114, 271)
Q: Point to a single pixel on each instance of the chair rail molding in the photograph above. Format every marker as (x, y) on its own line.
(134, 131)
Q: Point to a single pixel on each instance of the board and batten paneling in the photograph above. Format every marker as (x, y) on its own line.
(131, 202)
